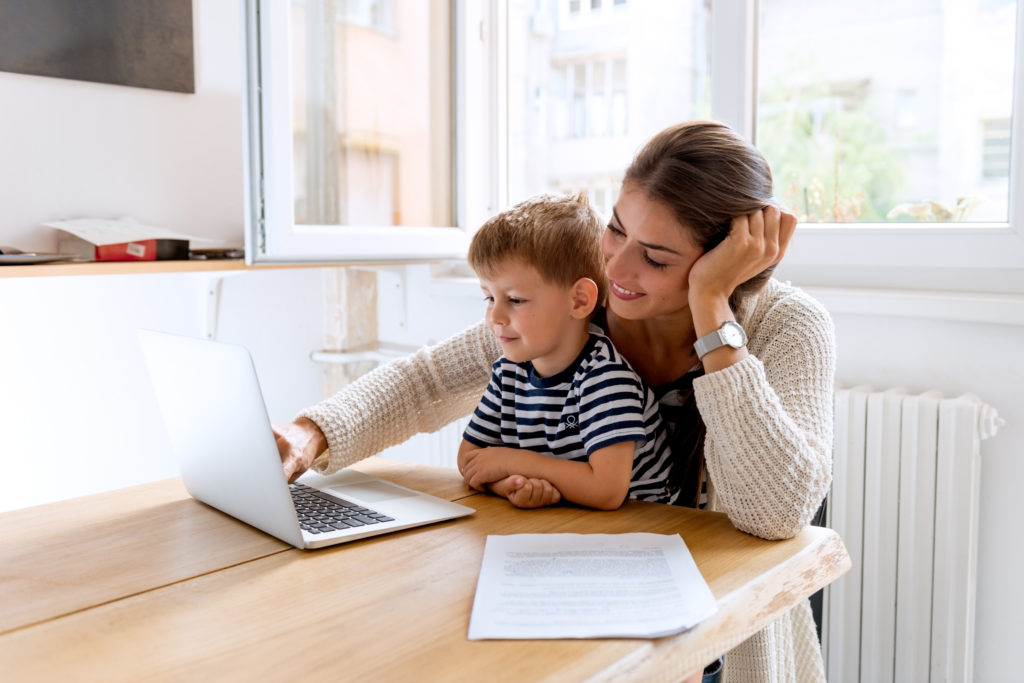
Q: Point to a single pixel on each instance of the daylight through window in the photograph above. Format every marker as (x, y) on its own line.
(878, 111)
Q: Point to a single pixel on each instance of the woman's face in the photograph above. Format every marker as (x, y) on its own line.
(648, 255)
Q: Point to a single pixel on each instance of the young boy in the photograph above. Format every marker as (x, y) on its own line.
(562, 407)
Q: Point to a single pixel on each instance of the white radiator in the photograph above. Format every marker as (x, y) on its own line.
(905, 501)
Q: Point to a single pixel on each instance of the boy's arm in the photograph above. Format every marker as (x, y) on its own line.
(465, 448)
(602, 482)
(524, 492)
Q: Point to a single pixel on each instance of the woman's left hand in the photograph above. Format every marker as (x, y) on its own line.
(755, 242)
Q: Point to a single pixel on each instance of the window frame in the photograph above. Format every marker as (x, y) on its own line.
(271, 235)
(870, 254)
(849, 254)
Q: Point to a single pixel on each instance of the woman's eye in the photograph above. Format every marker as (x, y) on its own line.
(615, 231)
(515, 300)
(651, 262)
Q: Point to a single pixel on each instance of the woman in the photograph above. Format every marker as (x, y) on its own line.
(690, 249)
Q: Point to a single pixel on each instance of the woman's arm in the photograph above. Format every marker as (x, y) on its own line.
(769, 417)
(419, 393)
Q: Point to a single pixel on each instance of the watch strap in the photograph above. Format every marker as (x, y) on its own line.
(708, 343)
(713, 340)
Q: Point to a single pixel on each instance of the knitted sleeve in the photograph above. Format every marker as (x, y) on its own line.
(769, 419)
(419, 393)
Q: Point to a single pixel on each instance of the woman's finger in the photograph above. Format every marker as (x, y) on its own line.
(772, 223)
(787, 228)
(772, 226)
(739, 229)
(756, 222)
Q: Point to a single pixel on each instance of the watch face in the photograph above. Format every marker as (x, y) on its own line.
(732, 334)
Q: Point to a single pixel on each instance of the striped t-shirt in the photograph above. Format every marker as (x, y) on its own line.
(596, 402)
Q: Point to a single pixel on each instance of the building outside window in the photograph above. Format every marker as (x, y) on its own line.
(995, 149)
(371, 148)
(596, 79)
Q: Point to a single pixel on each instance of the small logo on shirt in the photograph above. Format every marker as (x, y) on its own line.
(571, 424)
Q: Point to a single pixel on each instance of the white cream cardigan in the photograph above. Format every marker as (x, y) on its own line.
(768, 447)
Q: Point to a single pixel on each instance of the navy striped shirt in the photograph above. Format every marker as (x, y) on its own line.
(596, 402)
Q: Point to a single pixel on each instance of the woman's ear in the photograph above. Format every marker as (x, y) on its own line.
(584, 298)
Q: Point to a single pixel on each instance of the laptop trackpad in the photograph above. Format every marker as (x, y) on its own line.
(371, 491)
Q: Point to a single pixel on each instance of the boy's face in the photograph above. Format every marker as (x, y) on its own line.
(531, 318)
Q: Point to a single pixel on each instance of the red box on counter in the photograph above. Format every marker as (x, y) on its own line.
(143, 250)
(120, 240)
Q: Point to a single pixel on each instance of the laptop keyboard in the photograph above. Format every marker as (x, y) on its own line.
(320, 512)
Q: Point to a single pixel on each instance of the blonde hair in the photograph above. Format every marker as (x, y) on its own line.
(558, 235)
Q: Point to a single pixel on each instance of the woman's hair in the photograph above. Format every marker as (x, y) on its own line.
(559, 235)
(706, 174)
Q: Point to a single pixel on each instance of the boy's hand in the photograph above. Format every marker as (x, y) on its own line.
(526, 492)
(535, 493)
(482, 466)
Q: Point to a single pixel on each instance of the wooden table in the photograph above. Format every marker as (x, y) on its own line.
(147, 584)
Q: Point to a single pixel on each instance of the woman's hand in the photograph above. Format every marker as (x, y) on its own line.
(755, 242)
(299, 443)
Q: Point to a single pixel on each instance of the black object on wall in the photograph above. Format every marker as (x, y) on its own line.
(140, 43)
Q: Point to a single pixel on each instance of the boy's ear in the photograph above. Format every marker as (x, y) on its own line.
(584, 298)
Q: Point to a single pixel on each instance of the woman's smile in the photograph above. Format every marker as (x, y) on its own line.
(623, 293)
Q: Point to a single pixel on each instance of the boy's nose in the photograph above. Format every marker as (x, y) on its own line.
(497, 316)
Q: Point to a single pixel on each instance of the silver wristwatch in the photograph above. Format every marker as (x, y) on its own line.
(729, 334)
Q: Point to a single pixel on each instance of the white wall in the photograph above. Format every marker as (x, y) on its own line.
(77, 413)
(72, 149)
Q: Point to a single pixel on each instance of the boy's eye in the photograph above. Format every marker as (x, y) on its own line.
(516, 300)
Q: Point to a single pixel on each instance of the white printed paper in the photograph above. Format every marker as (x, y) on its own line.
(635, 585)
(100, 231)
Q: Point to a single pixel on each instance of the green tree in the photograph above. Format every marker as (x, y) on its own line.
(829, 155)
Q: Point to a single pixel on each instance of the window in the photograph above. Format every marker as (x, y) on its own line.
(597, 107)
(353, 149)
(884, 134)
(579, 100)
(376, 14)
(582, 12)
(599, 78)
(889, 128)
(435, 114)
(995, 148)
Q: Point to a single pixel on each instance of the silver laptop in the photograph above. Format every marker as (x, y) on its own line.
(217, 421)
